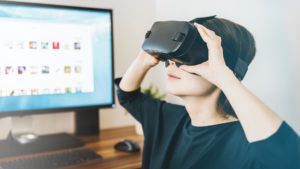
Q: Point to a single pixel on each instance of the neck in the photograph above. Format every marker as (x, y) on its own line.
(203, 110)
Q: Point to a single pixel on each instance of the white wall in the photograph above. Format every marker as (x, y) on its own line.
(132, 18)
(272, 76)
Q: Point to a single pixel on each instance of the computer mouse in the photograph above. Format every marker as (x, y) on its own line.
(129, 146)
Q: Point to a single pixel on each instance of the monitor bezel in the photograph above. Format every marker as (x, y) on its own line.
(67, 109)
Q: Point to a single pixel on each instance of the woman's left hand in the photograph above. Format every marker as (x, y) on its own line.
(259, 121)
(213, 69)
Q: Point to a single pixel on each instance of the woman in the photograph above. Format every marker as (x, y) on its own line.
(222, 124)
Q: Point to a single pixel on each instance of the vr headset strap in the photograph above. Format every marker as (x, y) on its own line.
(202, 19)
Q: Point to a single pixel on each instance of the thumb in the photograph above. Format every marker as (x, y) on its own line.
(199, 69)
(188, 68)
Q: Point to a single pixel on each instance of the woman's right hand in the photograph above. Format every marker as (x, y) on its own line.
(135, 74)
(147, 60)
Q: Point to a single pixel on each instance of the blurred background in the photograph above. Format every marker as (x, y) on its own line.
(273, 75)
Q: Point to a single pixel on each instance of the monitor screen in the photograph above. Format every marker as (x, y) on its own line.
(54, 57)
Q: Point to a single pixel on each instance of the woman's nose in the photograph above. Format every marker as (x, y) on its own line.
(170, 62)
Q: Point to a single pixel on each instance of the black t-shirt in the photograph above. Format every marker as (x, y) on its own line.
(171, 142)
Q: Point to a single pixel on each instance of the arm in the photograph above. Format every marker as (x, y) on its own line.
(135, 74)
(257, 120)
(142, 107)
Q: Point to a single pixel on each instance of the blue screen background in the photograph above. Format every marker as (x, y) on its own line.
(102, 57)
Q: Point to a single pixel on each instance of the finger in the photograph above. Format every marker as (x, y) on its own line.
(202, 33)
(191, 69)
(209, 32)
(196, 69)
(215, 40)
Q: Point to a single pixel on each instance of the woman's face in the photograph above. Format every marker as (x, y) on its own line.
(182, 83)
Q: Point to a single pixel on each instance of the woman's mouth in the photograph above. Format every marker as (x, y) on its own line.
(172, 76)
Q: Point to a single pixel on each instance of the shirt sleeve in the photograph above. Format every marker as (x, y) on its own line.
(143, 108)
(279, 151)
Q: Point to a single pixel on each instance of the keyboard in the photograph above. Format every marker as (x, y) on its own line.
(54, 160)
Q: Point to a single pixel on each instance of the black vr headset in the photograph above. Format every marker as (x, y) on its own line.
(180, 42)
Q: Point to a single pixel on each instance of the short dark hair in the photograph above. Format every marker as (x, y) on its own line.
(238, 42)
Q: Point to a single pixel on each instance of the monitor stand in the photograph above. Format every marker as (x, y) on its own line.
(22, 141)
(21, 130)
(87, 122)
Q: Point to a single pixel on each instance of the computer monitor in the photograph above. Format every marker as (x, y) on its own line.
(54, 58)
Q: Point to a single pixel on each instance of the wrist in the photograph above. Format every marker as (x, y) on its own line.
(141, 64)
(225, 77)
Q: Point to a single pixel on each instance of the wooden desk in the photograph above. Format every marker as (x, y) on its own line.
(112, 159)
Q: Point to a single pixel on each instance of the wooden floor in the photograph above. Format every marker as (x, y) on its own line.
(112, 159)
